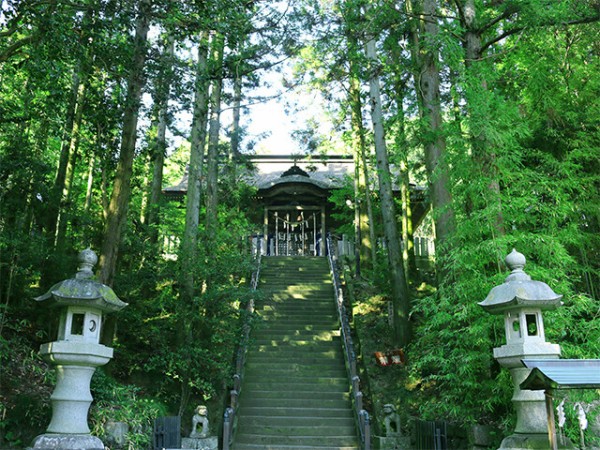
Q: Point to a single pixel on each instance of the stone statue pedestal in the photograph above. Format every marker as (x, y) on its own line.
(53, 441)
(206, 443)
(394, 443)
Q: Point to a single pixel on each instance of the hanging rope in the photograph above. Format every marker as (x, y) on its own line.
(293, 223)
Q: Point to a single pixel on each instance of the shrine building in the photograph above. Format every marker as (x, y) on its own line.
(293, 197)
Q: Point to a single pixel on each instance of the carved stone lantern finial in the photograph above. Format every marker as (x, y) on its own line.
(515, 261)
(87, 260)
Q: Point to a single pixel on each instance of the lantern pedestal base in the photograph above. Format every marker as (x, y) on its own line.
(207, 443)
(75, 364)
(52, 441)
(532, 441)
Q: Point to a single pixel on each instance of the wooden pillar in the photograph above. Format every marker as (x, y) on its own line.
(550, 415)
(287, 235)
(276, 233)
(322, 247)
(303, 237)
(315, 233)
(266, 231)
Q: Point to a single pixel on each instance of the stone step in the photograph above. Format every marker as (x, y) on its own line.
(294, 297)
(314, 441)
(296, 311)
(300, 272)
(293, 321)
(293, 347)
(289, 447)
(281, 284)
(296, 395)
(298, 294)
(288, 303)
(310, 385)
(289, 283)
(295, 412)
(302, 364)
(266, 338)
(322, 429)
(285, 359)
(326, 305)
(289, 337)
(269, 331)
(296, 371)
(296, 403)
(278, 261)
(280, 328)
(295, 260)
(273, 317)
(301, 349)
(316, 357)
(295, 391)
(299, 329)
(293, 282)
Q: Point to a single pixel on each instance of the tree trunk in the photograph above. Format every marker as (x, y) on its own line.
(90, 184)
(408, 252)
(400, 294)
(235, 128)
(151, 218)
(65, 206)
(366, 241)
(399, 89)
(370, 222)
(427, 79)
(194, 194)
(117, 210)
(365, 226)
(61, 171)
(483, 151)
(213, 139)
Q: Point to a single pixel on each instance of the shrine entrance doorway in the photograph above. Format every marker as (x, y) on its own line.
(294, 230)
(295, 210)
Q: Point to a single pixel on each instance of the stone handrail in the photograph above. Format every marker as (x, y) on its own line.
(362, 416)
(231, 410)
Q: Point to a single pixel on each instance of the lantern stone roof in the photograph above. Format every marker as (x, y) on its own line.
(83, 290)
(519, 290)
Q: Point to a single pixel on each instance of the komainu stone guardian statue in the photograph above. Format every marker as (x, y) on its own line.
(392, 438)
(391, 420)
(200, 439)
(200, 420)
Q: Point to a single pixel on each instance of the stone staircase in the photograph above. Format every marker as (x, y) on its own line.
(295, 392)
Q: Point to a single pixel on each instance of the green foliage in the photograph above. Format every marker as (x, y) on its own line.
(343, 200)
(116, 402)
(538, 153)
(21, 401)
(591, 406)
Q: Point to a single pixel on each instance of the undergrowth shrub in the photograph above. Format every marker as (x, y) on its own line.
(117, 402)
(24, 406)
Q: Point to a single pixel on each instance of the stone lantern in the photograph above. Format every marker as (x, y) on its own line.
(76, 353)
(522, 301)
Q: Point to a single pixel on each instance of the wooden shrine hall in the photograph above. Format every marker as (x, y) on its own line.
(293, 194)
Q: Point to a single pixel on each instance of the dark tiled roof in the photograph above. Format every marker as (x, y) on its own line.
(562, 374)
